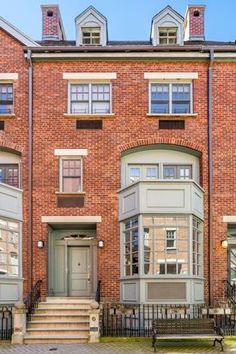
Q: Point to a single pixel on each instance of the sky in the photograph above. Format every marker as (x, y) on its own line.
(127, 19)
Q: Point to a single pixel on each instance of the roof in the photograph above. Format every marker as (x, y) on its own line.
(16, 33)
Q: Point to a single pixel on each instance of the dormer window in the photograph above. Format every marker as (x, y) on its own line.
(91, 35)
(168, 35)
(91, 28)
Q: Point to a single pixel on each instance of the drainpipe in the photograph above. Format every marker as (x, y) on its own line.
(210, 178)
(30, 102)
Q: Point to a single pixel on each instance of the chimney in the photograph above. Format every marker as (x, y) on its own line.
(194, 23)
(52, 23)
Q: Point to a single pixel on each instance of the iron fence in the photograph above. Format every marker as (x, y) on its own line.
(6, 322)
(121, 320)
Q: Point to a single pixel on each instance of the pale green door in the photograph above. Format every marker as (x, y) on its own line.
(78, 271)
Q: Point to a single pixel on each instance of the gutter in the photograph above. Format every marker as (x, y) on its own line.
(30, 123)
(210, 177)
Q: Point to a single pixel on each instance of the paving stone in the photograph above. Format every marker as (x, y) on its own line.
(113, 348)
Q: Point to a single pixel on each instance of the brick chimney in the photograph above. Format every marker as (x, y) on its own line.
(52, 23)
(194, 23)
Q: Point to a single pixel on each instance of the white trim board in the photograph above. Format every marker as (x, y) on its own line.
(89, 76)
(171, 76)
(71, 219)
(8, 76)
(70, 152)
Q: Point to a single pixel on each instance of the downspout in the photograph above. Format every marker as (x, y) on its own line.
(210, 177)
(30, 118)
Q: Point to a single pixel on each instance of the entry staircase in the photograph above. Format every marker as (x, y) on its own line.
(59, 320)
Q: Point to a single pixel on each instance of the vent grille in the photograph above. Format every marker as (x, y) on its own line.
(1, 124)
(89, 124)
(171, 124)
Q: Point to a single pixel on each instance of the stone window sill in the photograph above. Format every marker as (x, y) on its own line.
(74, 194)
(89, 116)
(4, 116)
(172, 116)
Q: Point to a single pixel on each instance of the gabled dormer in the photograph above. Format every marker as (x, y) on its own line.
(167, 27)
(91, 28)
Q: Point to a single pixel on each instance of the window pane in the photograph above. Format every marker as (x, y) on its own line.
(160, 98)
(71, 175)
(169, 172)
(6, 98)
(181, 98)
(9, 174)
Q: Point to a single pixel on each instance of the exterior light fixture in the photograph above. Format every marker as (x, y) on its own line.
(224, 243)
(100, 243)
(40, 244)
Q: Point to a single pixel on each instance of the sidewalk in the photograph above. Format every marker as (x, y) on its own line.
(117, 348)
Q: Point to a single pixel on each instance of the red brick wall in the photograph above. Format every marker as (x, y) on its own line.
(130, 127)
(15, 135)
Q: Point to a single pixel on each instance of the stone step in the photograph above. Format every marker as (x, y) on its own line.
(61, 311)
(36, 339)
(70, 305)
(61, 300)
(59, 317)
(58, 331)
(58, 324)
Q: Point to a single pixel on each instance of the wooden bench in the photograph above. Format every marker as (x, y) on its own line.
(186, 329)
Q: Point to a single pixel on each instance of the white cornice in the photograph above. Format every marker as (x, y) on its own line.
(16, 33)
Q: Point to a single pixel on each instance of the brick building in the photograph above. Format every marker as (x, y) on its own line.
(124, 154)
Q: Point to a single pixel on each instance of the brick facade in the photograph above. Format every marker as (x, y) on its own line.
(130, 127)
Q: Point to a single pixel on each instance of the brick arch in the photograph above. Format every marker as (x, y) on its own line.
(8, 146)
(158, 141)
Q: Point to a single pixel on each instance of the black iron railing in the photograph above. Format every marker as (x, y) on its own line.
(98, 292)
(6, 322)
(32, 300)
(119, 320)
(231, 292)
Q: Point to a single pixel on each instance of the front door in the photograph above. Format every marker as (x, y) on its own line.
(78, 271)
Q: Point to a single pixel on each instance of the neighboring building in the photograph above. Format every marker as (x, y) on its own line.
(124, 152)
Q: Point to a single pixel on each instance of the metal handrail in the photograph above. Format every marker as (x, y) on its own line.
(98, 292)
(33, 298)
(231, 292)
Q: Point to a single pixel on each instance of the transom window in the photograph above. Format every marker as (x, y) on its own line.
(9, 174)
(9, 248)
(6, 98)
(171, 98)
(142, 172)
(177, 172)
(91, 35)
(71, 175)
(168, 35)
(90, 98)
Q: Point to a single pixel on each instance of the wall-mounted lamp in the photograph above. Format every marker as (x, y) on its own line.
(100, 243)
(40, 244)
(224, 243)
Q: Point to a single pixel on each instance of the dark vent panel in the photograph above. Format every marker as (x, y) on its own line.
(89, 124)
(171, 124)
(1, 124)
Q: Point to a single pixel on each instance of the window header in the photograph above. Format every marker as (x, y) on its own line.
(89, 76)
(8, 77)
(170, 76)
(70, 152)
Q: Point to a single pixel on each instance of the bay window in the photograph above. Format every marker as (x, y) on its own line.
(9, 247)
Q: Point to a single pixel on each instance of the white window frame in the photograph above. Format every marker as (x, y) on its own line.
(177, 168)
(62, 158)
(143, 168)
(174, 239)
(90, 31)
(170, 83)
(89, 83)
(167, 30)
